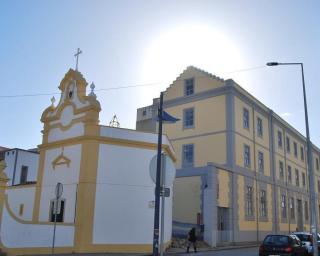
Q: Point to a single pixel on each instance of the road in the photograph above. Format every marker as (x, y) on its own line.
(253, 251)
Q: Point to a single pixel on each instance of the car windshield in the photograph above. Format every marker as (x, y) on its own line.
(276, 240)
(303, 237)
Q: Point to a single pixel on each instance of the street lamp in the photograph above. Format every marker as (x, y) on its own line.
(313, 204)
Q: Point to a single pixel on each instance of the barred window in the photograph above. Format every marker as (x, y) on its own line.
(295, 149)
(263, 203)
(288, 144)
(297, 178)
(249, 201)
(281, 171)
(283, 206)
(259, 127)
(245, 118)
(289, 174)
(291, 206)
(303, 179)
(188, 155)
(260, 161)
(189, 86)
(302, 153)
(246, 156)
(188, 118)
(279, 139)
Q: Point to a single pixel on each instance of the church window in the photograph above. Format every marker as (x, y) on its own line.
(59, 210)
(21, 208)
(70, 94)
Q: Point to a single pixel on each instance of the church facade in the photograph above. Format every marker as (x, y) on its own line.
(107, 203)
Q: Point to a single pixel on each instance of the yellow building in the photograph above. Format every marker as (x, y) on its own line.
(241, 169)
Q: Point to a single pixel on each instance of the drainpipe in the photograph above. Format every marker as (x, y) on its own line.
(286, 177)
(15, 166)
(255, 172)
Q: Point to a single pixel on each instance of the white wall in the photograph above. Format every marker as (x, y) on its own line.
(57, 134)
(68, 176)
(124, 191)
(24, 195)
(17, 235)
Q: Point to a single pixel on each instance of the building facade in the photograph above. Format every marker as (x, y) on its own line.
(21, 166)
(241, 169)
(107, 203)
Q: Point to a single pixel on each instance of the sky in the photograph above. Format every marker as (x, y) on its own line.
(147, 44)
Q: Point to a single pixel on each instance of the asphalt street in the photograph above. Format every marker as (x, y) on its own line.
(253, 251)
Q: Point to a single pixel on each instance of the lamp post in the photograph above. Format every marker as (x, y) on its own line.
(313, 204)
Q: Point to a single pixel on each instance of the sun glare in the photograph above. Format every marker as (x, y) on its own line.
(200, 46)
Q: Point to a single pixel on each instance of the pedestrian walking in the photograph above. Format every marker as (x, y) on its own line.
(192, 240)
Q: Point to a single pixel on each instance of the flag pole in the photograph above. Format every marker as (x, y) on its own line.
(155, 249)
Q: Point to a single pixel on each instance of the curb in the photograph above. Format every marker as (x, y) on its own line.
(182, 251)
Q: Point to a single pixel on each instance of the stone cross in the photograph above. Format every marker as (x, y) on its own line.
(77, 56)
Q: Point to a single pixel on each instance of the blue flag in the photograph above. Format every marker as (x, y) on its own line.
(167, 118)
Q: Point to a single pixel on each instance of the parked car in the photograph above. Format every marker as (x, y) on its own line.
(306, 240)
(281, 245)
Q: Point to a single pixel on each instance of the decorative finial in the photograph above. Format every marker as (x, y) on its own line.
(77, 56)
(53, 100)
(92, 94)
(114, 122)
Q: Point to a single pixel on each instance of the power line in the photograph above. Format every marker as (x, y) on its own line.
(126, 86)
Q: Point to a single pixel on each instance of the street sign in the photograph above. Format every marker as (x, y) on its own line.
(167, 167)
(59, 190)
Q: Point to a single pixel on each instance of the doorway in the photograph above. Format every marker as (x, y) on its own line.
(223, 224)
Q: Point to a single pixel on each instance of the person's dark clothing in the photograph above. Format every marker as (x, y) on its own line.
(192, 239)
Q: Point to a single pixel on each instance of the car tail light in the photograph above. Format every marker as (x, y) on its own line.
(261, 249)
(288, 249)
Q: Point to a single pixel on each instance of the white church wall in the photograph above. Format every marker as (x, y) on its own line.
(24, 196)
(124, 195)
(57, 134)
(17, 235)
(133, 135)
(68, 176)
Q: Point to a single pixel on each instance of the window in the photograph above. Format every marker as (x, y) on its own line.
(260, 161)
(295, 149)
(188, 118)
(283, 207)
(24, 174)
(281, 172)
(291, 206)
(60, 210)
(318, 186)
(188, 155)
(303, 179)
(21, 208)
(263, 203)
(279, 139)
(144, 112)
(289, 175)
(302, 153)
(317, 163)
(249, 201)
(218, 192)
(288, 144)
(246, 156)
(297, 178)
(259, 127)
(306, 210)
(245, 118)
(189, 86)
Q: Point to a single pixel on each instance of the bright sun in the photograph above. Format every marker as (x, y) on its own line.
(200, 46)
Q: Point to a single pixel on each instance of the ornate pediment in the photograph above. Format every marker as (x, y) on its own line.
(61, 160)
